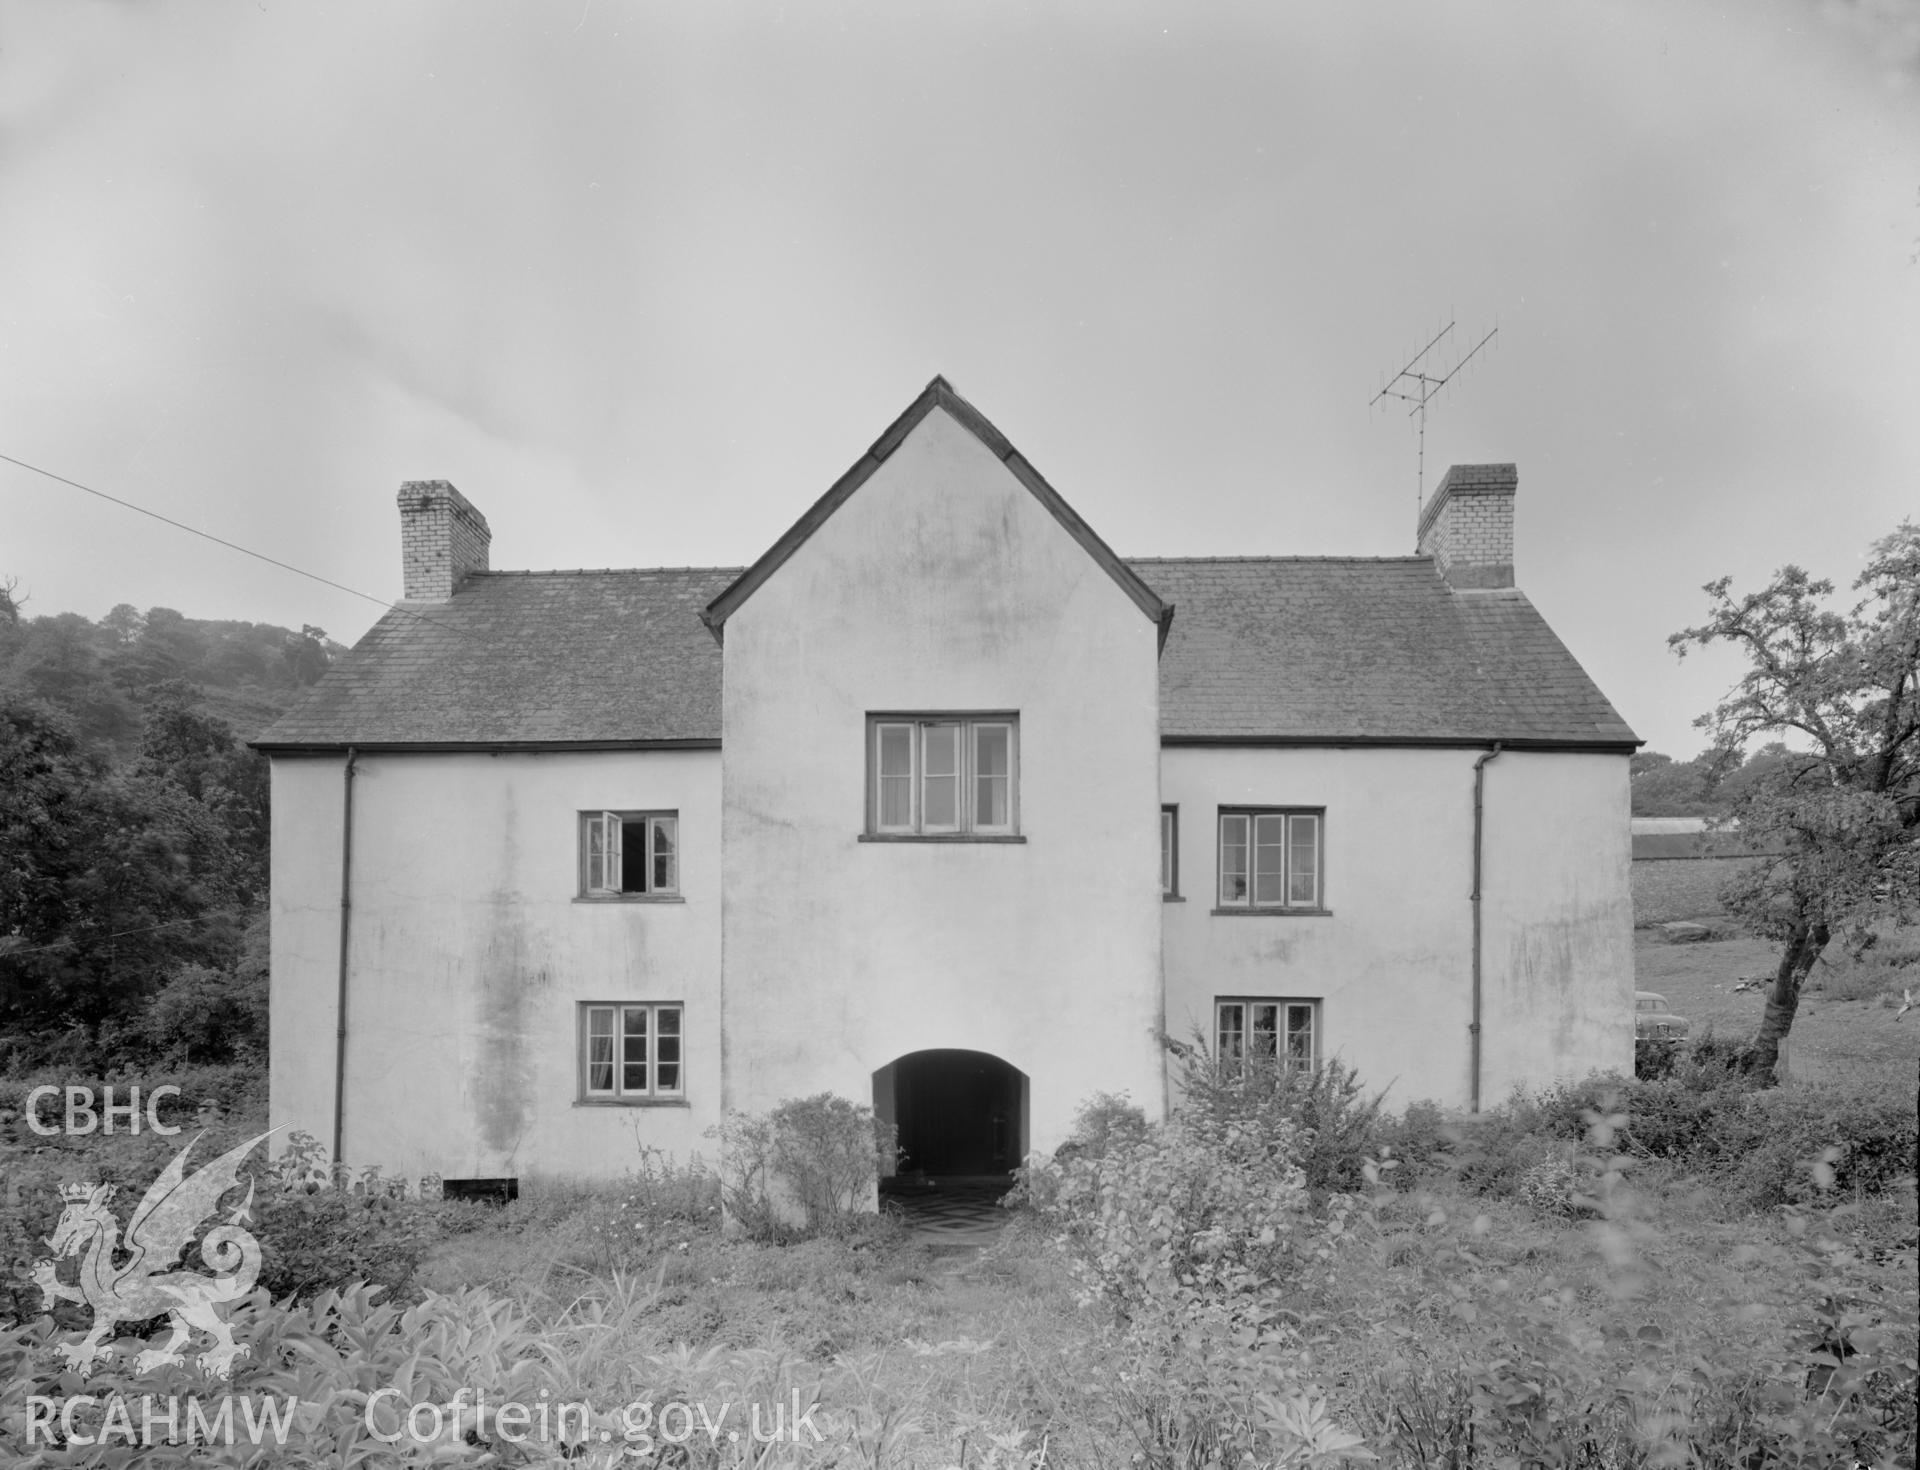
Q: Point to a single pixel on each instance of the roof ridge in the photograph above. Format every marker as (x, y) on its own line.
(593, 571)
(1164, 560)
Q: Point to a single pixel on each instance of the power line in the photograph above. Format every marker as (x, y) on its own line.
(234, 546)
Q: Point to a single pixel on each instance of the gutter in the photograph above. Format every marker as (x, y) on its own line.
(1479, 830)
(346, 930)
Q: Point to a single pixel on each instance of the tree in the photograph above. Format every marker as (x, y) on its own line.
(107, 885)
(1665, 787)
(1833, 807)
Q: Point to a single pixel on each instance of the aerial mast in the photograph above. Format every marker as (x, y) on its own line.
(1414, 384)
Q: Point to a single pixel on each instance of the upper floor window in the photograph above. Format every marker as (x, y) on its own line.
(1270, 859)
(629, 854)
(943, 775)
(1169, 852)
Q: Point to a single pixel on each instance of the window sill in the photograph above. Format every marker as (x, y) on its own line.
(1272, 913)
(631, 1102)
(963, 837)
(630, 898)
(1173, 898)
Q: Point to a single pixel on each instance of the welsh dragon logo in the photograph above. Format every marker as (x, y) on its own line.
(141, 1286)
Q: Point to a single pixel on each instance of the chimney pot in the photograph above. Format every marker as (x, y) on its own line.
(442, 538)
(1467, 525)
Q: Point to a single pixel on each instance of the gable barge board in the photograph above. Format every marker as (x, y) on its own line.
(938, 394)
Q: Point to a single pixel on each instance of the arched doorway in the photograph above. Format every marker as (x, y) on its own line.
(958, 1114)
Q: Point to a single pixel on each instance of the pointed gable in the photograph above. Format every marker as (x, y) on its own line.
(938, 394)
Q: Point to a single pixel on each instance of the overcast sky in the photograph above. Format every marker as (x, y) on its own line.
(642, 280)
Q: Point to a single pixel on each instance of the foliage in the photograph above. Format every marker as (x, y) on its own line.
(1664, 787)
(1321, 1109)
(1473, 1368)
(629, 1224)
(1421, 1327)
(1105, 1121)
(746, 1175)
(201, 1014)
(810, 1165)
(104, 882)
(134, 831)
(1705, 1117)
(830, 1152)
(1835, 813)
(1209, 1206)
(311, 1243)
(1183, 1212)
(99, 674)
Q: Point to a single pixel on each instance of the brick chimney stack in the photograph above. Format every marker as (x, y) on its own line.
(1467, 525)
(442, 538)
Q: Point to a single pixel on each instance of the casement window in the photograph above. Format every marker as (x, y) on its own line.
(629, 854)
(1270, 859)
(1286, 1029)
(631, 1053)
(1169, 852)
(943, 775)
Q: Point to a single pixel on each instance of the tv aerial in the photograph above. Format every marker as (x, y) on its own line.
(1414, 384)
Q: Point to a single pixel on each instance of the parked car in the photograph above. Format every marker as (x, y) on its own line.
(1653, 1021)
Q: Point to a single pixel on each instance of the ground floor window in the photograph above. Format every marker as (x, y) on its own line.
(631, 1052)
(1259, 1026)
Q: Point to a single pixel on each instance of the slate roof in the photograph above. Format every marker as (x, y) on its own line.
(1364, 648)
(1277, 649)
(528, 658)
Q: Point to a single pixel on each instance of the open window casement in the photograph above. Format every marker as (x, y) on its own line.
(603, 852)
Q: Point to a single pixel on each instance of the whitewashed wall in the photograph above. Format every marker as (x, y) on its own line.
(942, 584)
(1391, 964)
(470, 955)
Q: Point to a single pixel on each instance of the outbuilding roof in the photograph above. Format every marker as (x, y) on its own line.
(1267, 650)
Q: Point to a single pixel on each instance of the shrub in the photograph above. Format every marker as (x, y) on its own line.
(312, 1243)
(1105, 1120)
(1204, 1213)
(1655, 1056)
(1767, 1147)
(1550, 1187)
(809, 1166)
(830, 1152)
(203, 1014)
(1546, 1370)
(1319, 1111)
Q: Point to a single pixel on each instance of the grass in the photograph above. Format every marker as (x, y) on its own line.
(1844, 1032)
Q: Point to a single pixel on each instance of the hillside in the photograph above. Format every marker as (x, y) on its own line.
(134, 830)
(102, 674)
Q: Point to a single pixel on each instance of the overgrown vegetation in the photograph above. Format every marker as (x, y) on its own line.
(811, 1165)
(1682, 1271)
(134, 828)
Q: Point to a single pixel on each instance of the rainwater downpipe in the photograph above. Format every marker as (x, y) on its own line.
(346, 930)
(1479, 828)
